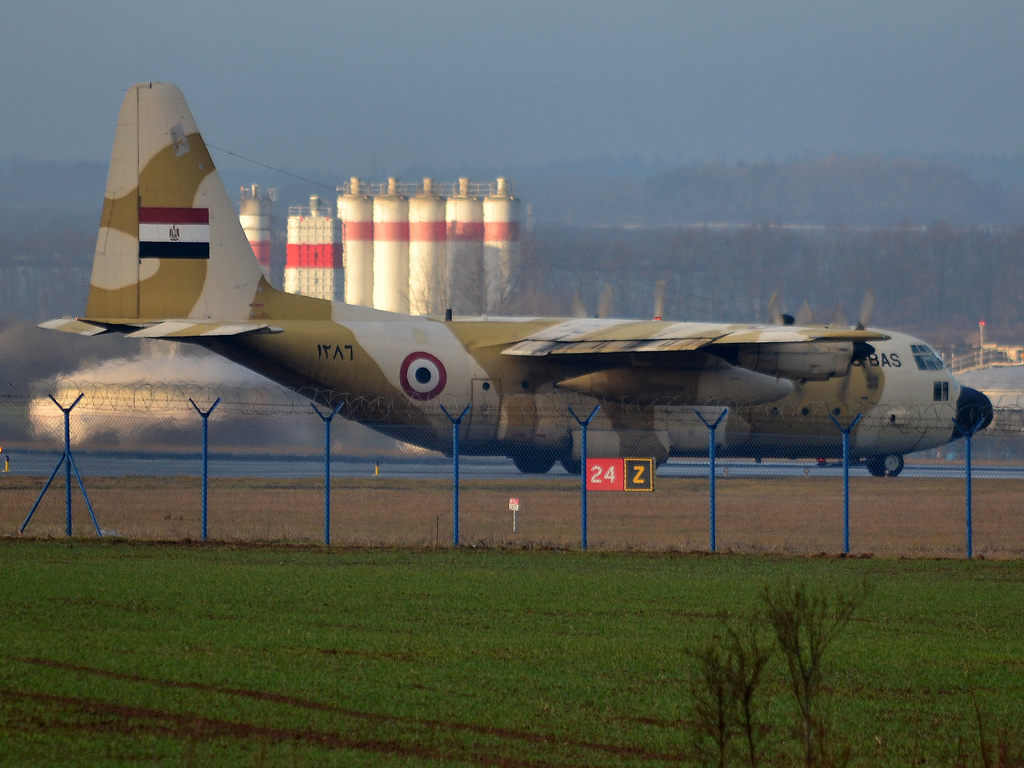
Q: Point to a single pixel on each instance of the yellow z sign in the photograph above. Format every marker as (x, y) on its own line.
(639, 474)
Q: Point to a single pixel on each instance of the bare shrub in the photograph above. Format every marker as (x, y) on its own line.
(806, 622)
(1004, 750)
(730, 669)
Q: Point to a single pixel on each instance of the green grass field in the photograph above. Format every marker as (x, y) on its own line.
(126, 654)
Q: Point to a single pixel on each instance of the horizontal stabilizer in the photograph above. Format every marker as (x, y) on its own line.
(167, 329)
(71, 325)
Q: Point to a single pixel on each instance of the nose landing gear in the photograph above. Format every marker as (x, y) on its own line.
(885, 466)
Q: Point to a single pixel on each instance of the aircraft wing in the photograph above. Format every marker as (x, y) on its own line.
(166, 329)
(597, 336)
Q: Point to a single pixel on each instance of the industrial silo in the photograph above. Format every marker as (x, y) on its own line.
(427, 251)
(314, 265)
(391, 250)
(465, 223)
(255, 210)
(501, 245)
(355, 209)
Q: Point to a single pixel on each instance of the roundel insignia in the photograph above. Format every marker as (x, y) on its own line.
(422, 376)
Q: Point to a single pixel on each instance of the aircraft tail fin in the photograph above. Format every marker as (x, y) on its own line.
(170, 243)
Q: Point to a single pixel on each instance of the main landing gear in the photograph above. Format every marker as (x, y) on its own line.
(885, 466)
(570, 465)
(534, 463)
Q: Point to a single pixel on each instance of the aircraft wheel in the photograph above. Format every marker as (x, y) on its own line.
(534, 463)
(893, 464)
(885, 466)
(572, 466)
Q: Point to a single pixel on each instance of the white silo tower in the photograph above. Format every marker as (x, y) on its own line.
(255, 210)
(501, 245)
(391, 250)
(355, 209)
(465, 219)
(427, 252)
(314, 265)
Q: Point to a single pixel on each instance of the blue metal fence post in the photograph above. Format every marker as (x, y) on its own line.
(67, 464)
(206, 445)
(67, 459)
(967, 477)
(584, 423)
(456, 424)
(968, 501)
(846, 478)
(327, 467)
(712, 524)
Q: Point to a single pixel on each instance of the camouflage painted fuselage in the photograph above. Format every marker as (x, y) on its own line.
(518, 407)
(172, 262)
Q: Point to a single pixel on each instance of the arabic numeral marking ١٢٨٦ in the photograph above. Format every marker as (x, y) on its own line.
(323, 351)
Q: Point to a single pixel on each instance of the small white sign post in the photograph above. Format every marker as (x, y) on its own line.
(513, 507)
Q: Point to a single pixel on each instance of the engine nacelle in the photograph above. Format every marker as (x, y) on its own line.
(806, 360)
(723, 384)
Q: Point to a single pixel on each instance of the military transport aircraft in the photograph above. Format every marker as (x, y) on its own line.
(172, 262)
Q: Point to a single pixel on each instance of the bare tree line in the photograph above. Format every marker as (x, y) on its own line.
(938, 281)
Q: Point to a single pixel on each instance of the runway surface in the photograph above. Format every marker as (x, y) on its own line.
(470, 467)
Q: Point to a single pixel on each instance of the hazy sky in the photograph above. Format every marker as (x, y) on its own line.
(306, 85)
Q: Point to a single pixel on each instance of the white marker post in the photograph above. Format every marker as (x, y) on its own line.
(513, 507)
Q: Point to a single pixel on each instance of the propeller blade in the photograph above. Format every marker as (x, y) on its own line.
(659, 300)
(578, 309)
(775, 310)
(838, 316)
(865, 310)
(607, 305)
(803, 317)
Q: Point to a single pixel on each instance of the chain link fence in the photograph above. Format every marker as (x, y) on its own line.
(137, 449)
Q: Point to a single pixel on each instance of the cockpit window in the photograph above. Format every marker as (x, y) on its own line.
(925, 358)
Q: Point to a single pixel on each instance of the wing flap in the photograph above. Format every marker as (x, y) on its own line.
(595, 336)
(537, 348)
(188, 329)
(781, 334)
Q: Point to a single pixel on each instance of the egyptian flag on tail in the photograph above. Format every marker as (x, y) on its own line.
(174, 233)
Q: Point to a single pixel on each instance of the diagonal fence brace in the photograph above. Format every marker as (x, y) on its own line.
(67, 460)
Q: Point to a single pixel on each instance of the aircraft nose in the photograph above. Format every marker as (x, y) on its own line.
(972, 407)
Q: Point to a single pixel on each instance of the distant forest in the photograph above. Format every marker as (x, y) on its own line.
(937, 281)
(856, 191)
(869, 190)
